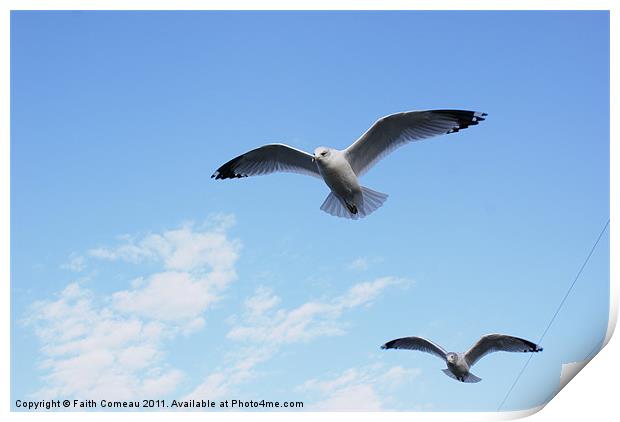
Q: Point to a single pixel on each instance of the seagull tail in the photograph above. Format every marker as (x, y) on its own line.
(469, 378)
(334, 206)
(371, 200)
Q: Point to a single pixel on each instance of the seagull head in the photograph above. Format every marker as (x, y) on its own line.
(451, 357)
(321, 153)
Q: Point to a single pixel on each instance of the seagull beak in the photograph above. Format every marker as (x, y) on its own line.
(313, 159)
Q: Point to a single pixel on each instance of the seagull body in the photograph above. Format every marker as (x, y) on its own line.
(341, 169)
(338, 175)
(459, 364)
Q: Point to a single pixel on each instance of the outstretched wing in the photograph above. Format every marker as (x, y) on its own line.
(416, 343)
(390, 132)
(498, 343)
(268, 159)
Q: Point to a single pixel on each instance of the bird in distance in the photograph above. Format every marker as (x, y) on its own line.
(459, 364)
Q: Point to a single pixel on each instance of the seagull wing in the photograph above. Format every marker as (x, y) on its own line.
(268, 159)
(498, 343)
(416, 343)
(395, 130)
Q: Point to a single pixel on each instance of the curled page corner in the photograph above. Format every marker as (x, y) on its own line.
(569, 370)
(518, 414)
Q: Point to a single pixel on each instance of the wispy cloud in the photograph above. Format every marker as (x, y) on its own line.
(223, 382)
(183, 249)
(368, 388)
(363, 263)
(76, 263)
(262, 323)
(168, 296)
(197, 266)
(264, 328)
(113, 345)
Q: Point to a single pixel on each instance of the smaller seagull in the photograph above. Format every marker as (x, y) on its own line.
(341, 169)
(460, 363)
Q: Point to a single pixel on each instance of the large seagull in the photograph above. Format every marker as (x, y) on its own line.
(340, 169)
(459, 364)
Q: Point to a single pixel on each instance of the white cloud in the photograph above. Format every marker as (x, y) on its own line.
(223, 382)
(76, 263)
(365, 293)
(362, 263)
(197, 267)
(262, 301)
(183, 250)
(359, 264)
(216, 386)
(168, 296)
(358, 389)
(264, 327)
(354, 398)
(113, 346)
(160, 384)
(91, 351)
(262, 323)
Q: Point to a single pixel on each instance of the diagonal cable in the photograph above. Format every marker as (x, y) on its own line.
(557, 311)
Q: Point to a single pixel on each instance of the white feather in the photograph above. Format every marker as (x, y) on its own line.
(395, 130)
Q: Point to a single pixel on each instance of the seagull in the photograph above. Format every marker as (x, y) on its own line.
(460, 363)
(341, 169)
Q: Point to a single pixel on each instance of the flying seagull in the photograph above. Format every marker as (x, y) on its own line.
(460, 363)
(340, 169)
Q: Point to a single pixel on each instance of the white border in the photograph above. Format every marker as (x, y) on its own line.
(577, 400)
(308, 5)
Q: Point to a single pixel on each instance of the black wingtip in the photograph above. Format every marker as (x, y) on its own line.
(227, 171)
(464, 118)
(389, 345)
(533, 349)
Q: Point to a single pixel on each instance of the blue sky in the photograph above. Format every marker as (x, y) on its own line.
(128, 260)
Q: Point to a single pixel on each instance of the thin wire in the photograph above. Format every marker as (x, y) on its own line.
(575, 280)
(557, 311)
